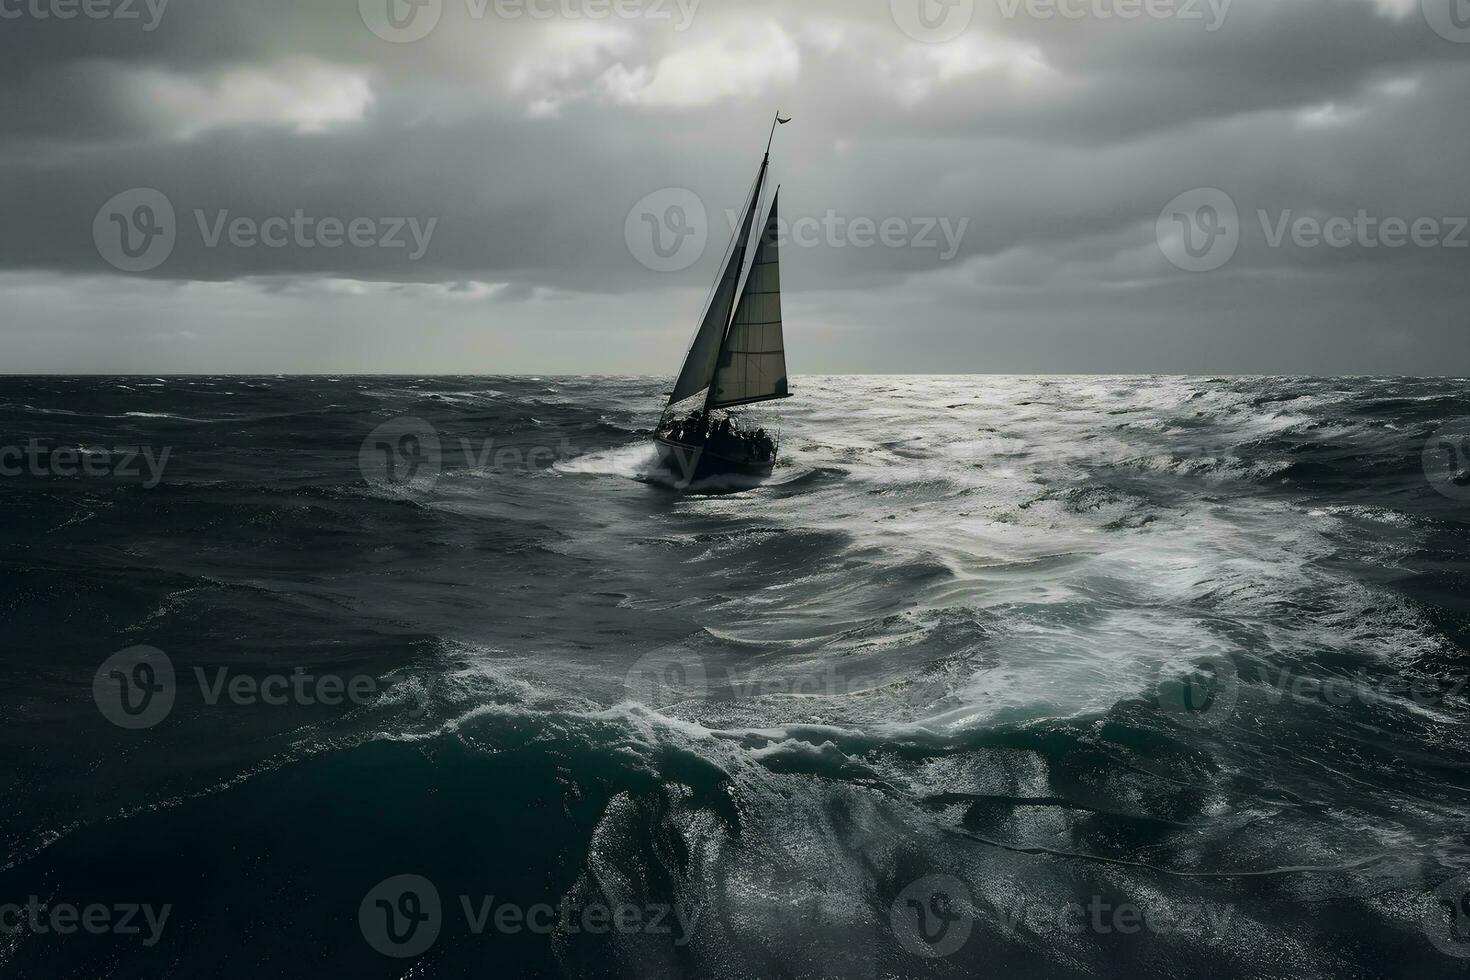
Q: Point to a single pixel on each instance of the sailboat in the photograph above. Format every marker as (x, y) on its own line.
(737, 359)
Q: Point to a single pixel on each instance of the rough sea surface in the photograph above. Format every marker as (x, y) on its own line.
(996, 677)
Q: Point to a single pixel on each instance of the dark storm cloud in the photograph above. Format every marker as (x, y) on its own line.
(1132, 79)
(181, 34)
(1035, 155)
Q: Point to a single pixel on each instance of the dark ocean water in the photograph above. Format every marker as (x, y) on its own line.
(996, 677)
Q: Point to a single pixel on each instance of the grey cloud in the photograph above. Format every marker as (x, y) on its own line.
(528, 142)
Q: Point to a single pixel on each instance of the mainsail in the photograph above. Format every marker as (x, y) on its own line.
(704, 353)
(752, 363)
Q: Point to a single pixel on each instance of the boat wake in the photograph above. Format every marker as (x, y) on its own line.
(634, 462)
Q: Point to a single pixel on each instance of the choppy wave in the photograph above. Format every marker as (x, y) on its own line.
(1176, 645)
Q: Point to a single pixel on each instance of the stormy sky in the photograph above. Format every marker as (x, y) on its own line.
(508, 186)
